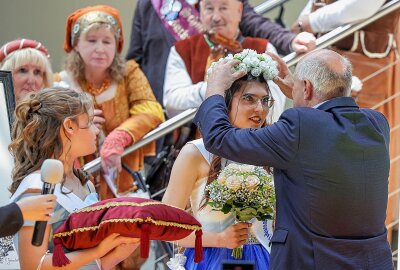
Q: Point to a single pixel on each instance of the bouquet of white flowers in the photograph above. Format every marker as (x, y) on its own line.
(244, 190)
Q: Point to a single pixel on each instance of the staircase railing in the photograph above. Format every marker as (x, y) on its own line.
(268, 6)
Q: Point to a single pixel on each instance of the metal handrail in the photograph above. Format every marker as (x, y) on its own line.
(268, 6)
(153, 135)
(290, 60)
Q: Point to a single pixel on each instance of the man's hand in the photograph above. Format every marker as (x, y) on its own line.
(304, 42)
(220, 77)
(284, 79)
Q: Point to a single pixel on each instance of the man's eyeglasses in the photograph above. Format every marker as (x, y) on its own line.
(251, 100)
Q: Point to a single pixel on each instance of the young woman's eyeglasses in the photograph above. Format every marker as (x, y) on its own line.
(252, 100)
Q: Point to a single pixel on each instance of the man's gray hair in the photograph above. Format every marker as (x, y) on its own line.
(327, 82)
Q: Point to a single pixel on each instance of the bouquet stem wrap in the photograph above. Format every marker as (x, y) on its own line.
(237, 253)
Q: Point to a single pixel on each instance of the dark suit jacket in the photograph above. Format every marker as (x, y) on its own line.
(331, 167)
(11, 219)
(150, 41)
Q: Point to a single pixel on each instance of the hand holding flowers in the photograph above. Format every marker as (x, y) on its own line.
(246, 191)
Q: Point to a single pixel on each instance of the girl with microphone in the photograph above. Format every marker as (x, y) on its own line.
(58, 124)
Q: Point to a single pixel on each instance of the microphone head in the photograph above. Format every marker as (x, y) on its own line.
(52, 171)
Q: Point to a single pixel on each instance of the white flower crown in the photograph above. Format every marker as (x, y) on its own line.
(253, 63)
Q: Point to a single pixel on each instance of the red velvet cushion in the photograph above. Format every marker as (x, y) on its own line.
(132, 217)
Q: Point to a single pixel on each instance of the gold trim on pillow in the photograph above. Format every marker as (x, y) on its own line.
(132, 220)
(115, 204)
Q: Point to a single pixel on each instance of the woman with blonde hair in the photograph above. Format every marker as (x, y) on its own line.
(28, 60)
(57, 123)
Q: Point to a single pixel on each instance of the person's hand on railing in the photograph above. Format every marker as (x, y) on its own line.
(112, 149)
(304, 42)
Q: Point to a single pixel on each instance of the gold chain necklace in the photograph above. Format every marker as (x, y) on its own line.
(97, 91)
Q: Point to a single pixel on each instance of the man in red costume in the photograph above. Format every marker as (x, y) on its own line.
(189, 59)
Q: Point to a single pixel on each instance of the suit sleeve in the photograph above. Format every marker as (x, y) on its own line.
(275, 145)
(135, 50)
(11, 219)
(255, 25)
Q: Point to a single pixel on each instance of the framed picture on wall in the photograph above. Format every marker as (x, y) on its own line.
(7, 96)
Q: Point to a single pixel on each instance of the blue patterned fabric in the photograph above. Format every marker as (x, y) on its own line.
(214, 256)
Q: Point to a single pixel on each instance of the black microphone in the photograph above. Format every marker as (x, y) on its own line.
(51, 172)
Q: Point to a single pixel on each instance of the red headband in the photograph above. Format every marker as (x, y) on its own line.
(21, 44)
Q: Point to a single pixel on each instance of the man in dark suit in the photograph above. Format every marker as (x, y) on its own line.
(330, 160)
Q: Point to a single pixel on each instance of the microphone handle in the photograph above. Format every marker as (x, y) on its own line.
(48, 188)
(40, 226)
(38, 233)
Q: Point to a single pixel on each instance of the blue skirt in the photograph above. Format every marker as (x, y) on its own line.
(213, 257)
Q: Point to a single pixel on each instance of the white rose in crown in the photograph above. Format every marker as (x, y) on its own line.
(252, 63)
(252, 182)
(234, 182)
